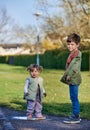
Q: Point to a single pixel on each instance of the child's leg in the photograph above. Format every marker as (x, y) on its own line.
(30, 107)
(74, 99)
(38, 109)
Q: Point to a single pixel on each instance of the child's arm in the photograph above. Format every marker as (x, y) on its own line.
(40, 83)
(44, 93)
(74, 67)
(26, 87)
(43, 90)
(68, 77)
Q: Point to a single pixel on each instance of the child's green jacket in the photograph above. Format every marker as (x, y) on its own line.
(73, 71)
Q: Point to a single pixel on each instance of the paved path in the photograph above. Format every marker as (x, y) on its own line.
(55, 123)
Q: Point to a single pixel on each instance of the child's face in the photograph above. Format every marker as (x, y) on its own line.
(34, 73)
(72, 46)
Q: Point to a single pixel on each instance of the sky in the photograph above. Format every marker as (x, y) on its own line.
(22, 10)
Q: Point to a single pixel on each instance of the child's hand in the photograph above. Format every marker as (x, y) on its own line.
(68, 77)
(44, 94)
(26, 94)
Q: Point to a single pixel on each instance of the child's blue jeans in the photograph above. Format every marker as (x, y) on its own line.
(73, 89)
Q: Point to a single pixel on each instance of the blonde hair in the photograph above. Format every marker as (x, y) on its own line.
(33, 66)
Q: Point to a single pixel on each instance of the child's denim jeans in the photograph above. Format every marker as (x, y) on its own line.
(73, 89)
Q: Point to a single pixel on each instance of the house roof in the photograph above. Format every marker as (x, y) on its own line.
(7, 46)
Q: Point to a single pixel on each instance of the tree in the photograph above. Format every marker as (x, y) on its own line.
(75, 18)
(24, 34)
(5, 26)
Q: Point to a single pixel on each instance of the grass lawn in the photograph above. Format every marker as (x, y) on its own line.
(57, 102)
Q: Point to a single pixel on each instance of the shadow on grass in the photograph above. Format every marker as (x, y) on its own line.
(58, 109)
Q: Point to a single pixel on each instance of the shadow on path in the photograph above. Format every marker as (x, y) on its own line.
(55, 122)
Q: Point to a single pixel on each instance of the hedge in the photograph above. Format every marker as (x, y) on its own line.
(55, 59)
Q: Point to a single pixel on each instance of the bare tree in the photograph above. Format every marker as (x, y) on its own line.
(5, 26)
(25, 34)
(75, 17)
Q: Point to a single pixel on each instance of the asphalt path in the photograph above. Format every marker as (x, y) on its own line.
(7, 122)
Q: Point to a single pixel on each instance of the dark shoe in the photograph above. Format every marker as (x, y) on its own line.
(72, 119)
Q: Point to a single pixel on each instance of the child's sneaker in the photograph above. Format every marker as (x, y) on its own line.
(41, 117)
(72, 119)
(29, 117)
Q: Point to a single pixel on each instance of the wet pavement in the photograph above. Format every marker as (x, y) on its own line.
(51, 123)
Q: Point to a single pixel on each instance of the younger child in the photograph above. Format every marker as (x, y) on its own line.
(72, 76)
(34, 92)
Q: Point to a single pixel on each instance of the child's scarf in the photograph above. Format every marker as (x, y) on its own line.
(72, 55)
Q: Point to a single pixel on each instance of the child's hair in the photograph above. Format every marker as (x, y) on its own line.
(33, 66)
(73, 38)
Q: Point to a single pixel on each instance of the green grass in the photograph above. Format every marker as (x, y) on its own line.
(57, 102)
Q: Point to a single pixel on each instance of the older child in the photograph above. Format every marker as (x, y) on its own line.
(72, 76)
(34, 92)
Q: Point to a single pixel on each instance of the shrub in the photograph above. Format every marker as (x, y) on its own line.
(55, 59)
